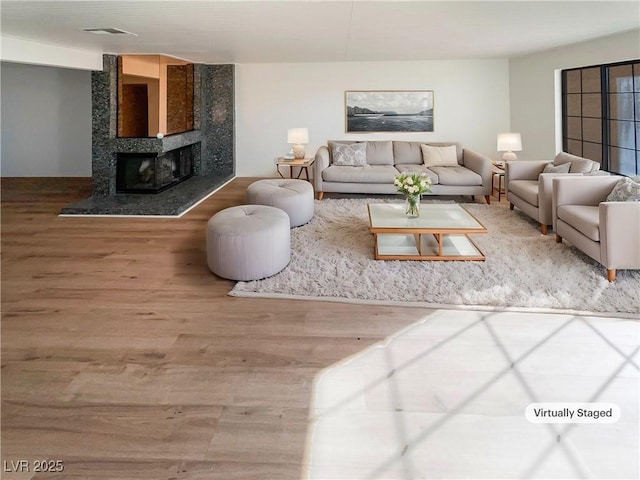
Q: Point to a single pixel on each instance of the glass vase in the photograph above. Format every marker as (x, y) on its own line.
(413, 206)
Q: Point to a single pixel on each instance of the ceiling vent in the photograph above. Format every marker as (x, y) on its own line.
(107, 31)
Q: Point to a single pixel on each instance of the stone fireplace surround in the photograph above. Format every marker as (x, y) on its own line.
(213, 139)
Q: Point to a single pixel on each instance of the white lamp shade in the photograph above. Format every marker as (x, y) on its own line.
(298, 135)
(509, 142)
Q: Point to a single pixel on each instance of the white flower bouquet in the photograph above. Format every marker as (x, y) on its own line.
(412, 184)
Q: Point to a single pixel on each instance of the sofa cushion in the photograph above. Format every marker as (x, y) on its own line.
(578, 164)
(526, 190)
(407, 168)
(584, 218)
(439, 156)
(458, 146)
(354, 155)
(458, 175)
(626, 190)
(407, 153)
(380, 152)
(368, 174)
(562, 168)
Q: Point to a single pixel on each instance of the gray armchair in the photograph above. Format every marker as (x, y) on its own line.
(529, 189)
(609, 232)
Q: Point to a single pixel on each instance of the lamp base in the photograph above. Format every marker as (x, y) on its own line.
(509, 156)
(298, 151)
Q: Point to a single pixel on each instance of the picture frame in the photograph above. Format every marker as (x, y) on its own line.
(368, 111)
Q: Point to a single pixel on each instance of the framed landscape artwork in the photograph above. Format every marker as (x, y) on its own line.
(389, 111)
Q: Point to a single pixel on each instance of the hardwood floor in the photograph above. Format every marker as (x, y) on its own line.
(123, 356)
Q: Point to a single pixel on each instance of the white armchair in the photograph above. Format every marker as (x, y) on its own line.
(609, 232)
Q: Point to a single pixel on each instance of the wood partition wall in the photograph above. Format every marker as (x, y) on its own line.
(155, 95)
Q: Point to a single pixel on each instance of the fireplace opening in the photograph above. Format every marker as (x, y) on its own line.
(152, 172)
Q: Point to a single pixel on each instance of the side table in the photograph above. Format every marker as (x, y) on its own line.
(302, 164)
(497, 170)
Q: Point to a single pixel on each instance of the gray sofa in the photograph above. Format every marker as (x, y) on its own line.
(386, 159)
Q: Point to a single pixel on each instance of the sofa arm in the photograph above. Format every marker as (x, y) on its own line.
(545, 195)
(481, 164)
(523, 170)
(321, 163)
(620, 234)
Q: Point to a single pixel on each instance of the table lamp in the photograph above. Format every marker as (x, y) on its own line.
(509, 143)
(299, 137)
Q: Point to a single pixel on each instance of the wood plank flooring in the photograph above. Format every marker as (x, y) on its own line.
(123, 356)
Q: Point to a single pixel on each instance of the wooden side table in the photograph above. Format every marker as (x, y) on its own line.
(302, 164)
(498, 170)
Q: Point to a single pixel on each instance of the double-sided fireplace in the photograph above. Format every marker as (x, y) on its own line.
(186, 150)
(153, 172)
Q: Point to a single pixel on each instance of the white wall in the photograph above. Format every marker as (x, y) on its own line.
(471, 100)
(533, 90)
(46, 121)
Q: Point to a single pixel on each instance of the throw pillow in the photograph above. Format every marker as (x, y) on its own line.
(439, 156)
(562, 168)
(354, 155)
(626, 190)
(578, 164)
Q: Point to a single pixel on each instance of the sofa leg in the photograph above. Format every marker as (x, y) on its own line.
(511, 205)
(320, 195)
(611, 274)
(488, 199)
(558, 238)
(544, 229)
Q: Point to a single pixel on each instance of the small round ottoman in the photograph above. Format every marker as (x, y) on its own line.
(293, 196)
(248, 242)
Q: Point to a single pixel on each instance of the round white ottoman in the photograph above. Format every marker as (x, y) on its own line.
(293, 196)
(248, 242)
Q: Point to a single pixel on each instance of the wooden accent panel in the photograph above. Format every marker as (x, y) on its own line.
(135, 119)
(169, 84)
(126, 109)
(179, 98)
(141, 65)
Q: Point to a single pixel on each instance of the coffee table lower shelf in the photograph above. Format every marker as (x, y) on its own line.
(425, 246)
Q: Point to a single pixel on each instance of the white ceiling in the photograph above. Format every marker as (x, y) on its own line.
(235, 31)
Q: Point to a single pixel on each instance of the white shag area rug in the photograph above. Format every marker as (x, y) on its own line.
(332, 259)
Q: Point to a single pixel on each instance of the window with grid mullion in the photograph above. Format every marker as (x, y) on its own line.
(601, 115)
(623, 115)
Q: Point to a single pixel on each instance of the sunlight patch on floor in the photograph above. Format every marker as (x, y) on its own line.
(446, 398)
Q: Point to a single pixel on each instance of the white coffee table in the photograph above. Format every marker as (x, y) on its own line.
(440, 233)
